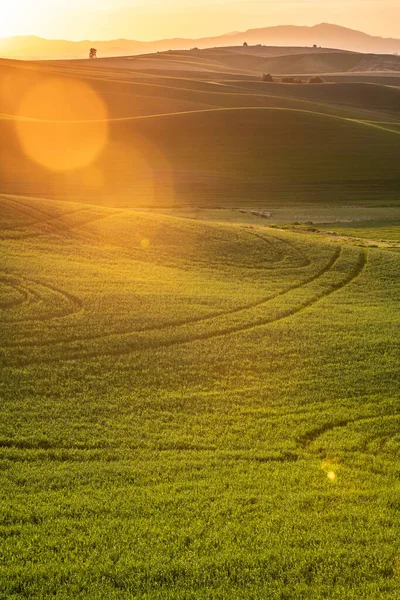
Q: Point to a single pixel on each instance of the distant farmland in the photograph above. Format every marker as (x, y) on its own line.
(174, 141)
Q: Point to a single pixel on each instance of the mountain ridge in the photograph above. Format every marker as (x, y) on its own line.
(324, 34)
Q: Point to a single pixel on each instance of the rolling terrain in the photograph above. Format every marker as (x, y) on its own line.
(259, 59)
(199, 304)
(194, 409)
(255, 142)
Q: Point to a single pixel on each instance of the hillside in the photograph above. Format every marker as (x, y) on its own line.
(196, 407)
(151, 162)
(330, 62)
(165, 140)
(325, 35)
(245, 62)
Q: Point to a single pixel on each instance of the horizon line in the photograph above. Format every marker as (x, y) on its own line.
(226, 34)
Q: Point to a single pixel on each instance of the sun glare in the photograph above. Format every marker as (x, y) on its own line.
(62, 124)
(15, 17)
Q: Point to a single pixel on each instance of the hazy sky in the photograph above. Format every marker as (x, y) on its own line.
(155, 19)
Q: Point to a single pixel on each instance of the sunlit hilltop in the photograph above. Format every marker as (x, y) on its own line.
(199, 301)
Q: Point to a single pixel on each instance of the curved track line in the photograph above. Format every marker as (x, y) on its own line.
(31, 210)
(75, 228)
(331, 106)
(179, 59)
(239, 329)
(74, 301)
(266, 266)
(154, 345)
(86, 75)
(23, 293)
(196, 320)
(201, 111)
(285, 315)
(293, 247)
(227, 330)
(306, 440)
(57, 220)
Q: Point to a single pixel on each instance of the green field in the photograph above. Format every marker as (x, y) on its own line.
(195, 404)
(383, 230)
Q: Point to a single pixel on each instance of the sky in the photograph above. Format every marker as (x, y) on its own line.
(159, 19)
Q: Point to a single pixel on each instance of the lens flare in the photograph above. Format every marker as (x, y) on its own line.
(92, 178)
(136, 170)
(62, 124)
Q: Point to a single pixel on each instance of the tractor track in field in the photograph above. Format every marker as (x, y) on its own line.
(145, 345)
(20, 450)
(30, 210)
(169, 325)
(56, 220)
(17, 283)
(32, 451)
(268, 265)
(152, 80)
(53, 220)
(304, 261)
(213, 109)
(33, 296)
(30, 296)
(308, 439)
(62, 227)
(115, 338)
(165, 327)
(291, 312)
(10, 281)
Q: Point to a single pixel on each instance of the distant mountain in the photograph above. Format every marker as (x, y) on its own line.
(325, 35)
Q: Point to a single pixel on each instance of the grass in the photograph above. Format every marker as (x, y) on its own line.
(241, 156)
(255, 144)
(194, 404)
(382, 230)
(329, 62)
(171, 411)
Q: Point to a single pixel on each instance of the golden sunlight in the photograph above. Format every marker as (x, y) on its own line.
(18, 16)
(8, 20)
(62, 124)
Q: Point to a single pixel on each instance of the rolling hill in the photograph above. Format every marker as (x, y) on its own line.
(325, 35)
(240, 155)
(193, 408)
(256, 60)
(166, 140)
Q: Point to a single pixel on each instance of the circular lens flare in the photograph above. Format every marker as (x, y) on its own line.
(62, 124)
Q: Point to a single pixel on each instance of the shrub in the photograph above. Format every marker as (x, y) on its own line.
(268, 77)
(316, 79)
(290, 80)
